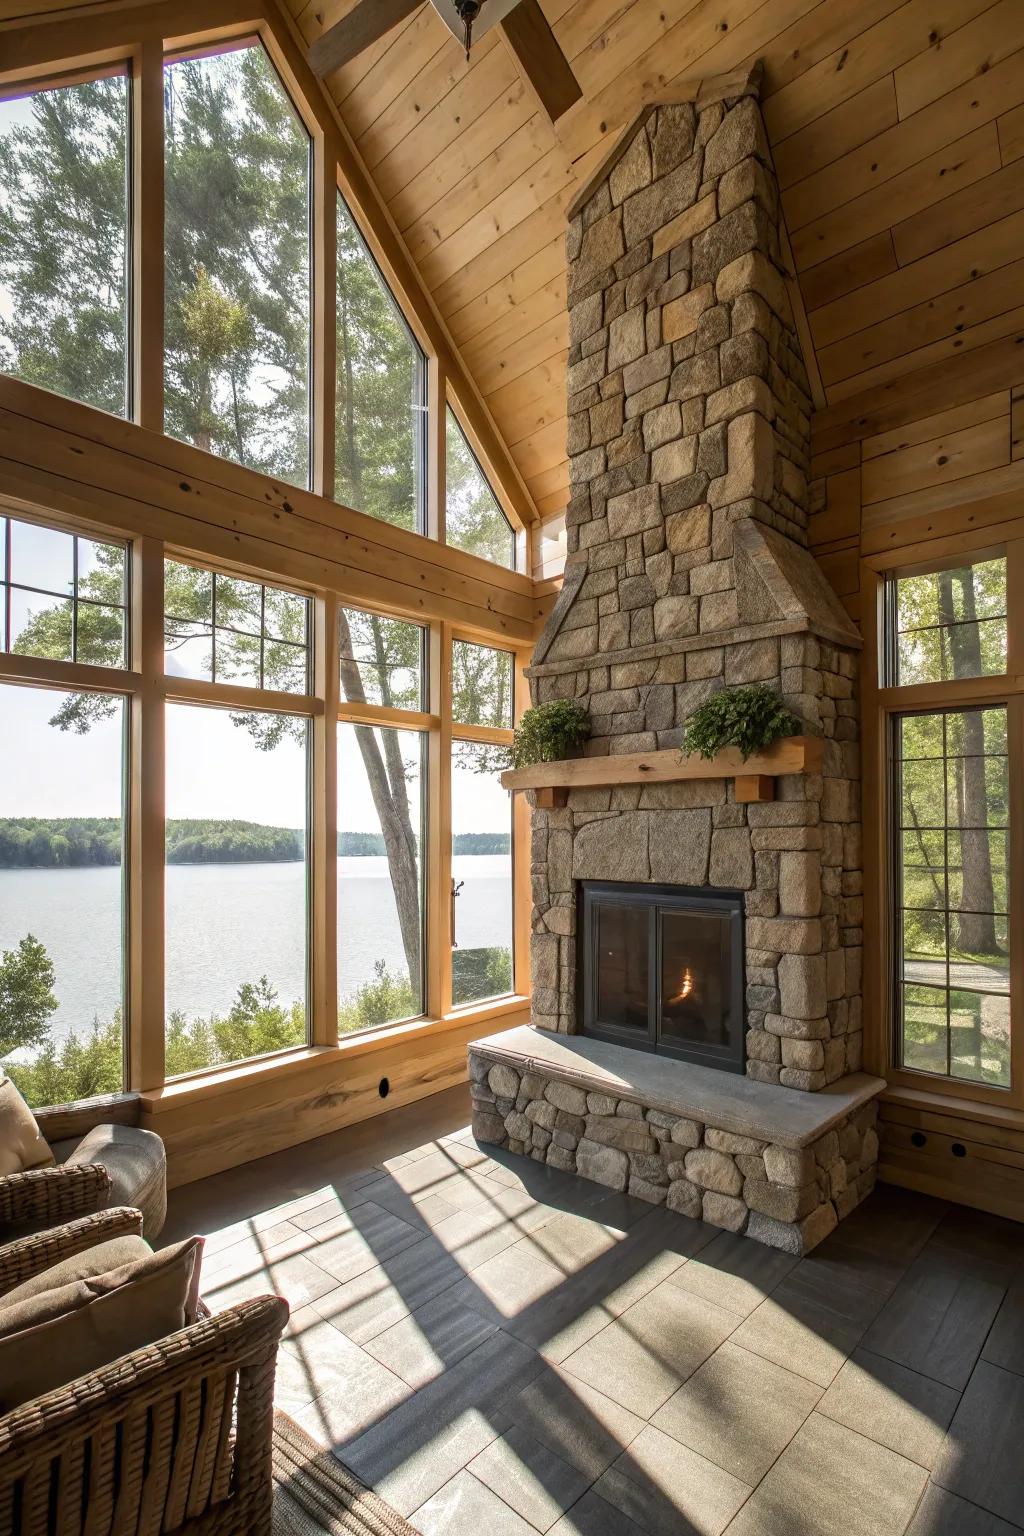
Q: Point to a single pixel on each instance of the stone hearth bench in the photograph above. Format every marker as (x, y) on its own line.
(782, 1166)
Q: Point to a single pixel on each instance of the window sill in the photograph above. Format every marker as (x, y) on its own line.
(956, 1105)
(220, 1080)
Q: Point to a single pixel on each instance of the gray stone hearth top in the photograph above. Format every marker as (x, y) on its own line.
(723, 1099)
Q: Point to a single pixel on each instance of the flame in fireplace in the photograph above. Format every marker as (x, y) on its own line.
(685, 987)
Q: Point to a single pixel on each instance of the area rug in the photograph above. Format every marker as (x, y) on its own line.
(315, 1495)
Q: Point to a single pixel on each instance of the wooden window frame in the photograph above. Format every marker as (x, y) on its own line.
(71, 465)
(881, 703)
(148, 688)
(138, 38)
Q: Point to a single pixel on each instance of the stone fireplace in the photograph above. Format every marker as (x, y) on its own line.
(688, 571)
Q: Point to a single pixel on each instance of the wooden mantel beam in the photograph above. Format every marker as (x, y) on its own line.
(755, 776)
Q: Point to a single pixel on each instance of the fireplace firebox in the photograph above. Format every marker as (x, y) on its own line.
(662, 969)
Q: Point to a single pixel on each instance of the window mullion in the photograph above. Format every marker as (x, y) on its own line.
(146, 823)
(147, 224)
(324, 330)
(1015, 886)
(324, 876)
(439, 834)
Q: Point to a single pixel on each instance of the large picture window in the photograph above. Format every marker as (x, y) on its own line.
(62, 597)
(381, 392)
(952, 799)
(171, 763)
(381, 784)
(236, 885)
(951, 714)
(64, 240)
(237, 263)
(62, 833)
(474, 520)
(237, 828)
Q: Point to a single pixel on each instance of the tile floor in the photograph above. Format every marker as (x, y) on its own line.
(501, 1349)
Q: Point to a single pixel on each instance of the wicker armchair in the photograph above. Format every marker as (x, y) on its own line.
(102, 1155)
(174, 1438)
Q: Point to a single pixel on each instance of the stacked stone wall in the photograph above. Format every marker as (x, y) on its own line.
(788, 1198)
(689, 419)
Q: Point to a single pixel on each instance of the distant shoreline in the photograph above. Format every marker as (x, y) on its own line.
(95, 843)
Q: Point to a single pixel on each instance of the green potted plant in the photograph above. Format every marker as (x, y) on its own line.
(549, 733)
(750, 718)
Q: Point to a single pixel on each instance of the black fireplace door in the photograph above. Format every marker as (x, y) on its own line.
(662, 969)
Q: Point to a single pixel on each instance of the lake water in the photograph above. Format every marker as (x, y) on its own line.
(227, 924)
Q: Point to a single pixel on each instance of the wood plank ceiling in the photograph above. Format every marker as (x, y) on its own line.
(898, 133)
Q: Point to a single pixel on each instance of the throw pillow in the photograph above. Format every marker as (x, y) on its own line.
(22, 1144)
(58, 1335)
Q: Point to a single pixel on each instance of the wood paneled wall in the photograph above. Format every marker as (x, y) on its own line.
(935, 456)
(898, 133)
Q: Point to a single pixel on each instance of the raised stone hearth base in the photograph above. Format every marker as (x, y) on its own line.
(779, 1166)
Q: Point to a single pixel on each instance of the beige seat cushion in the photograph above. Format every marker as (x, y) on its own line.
(55, 1336)
(22, 1144)
(115, 1253)
(137, 1165)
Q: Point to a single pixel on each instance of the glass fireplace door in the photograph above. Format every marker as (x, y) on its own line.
(623, 970)
(695, 962)
(662, 969)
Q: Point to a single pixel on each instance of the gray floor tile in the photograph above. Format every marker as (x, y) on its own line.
(642, 1357)
(476, 1235)
(936, 1320)
(670, 1490)
(422, 1444)
(464, 1504)
(570, 1241)
(739, 1411)
(734, 1272)
(978, 1239)
(594, 1516)
(942, 1514)
(887, 1402)
(385, 1293)
(1005, 1343)
(564, 1318)
(350, 1391)
(832, 1482)
(508, 1284)
(424, 1344)
(584, 1426)
(298, 1278)
(803, 1339)
(372, 1237)
(529, 1477)
(981, 1459)
(893, 1224)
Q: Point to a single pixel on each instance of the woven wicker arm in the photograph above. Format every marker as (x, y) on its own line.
(45, 1197)
(176, 1437)
(27, 1257)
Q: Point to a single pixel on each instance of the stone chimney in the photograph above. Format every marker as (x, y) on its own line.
(688, 570)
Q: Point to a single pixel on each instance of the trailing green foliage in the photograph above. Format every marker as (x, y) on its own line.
(547, 733)
(750, 718)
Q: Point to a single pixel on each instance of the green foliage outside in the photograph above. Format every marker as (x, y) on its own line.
(750, 718)
(89, 1063)
(954, 812)
(63, 243)
(547, 733)
(474, 520)
(237, 263)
